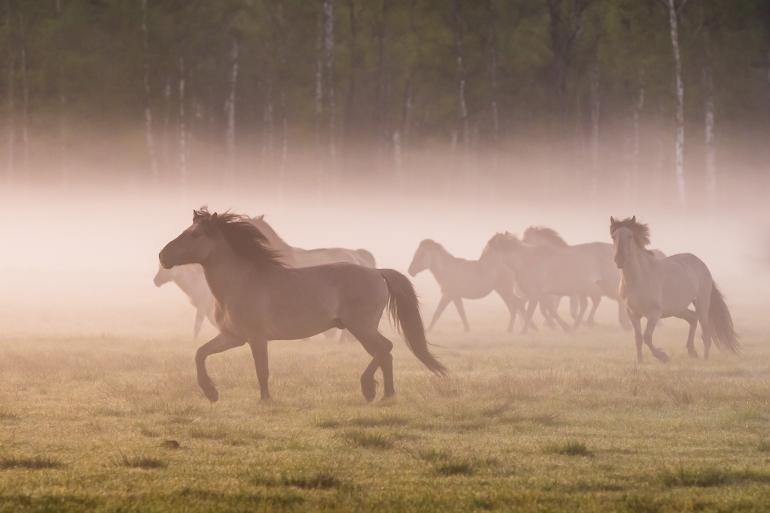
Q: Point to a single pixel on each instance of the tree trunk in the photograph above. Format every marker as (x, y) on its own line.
(708, 136)
(328, 51)
(492, 67)
(355, 69)
(182, 125)
(61, 108)
(460, 74)
(231, 105)
(632, 182)
(24, 100)
(381, 93)
(595, 118)
(681, 184)
(149, 134)
(10, 169)
(319, 76)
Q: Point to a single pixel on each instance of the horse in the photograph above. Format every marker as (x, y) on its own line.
(258, 299)
(460, 278)
(300, 257)
(543, 271)
(656, 288)
(193, 282)
(548, 236)
(601, 255)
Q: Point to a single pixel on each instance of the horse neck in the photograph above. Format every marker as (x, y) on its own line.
(440, 259)
(640, 267)
(225, 272)
(275, 240)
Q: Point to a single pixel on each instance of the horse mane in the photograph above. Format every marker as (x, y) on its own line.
(504, 240)
(548, 234)
(243, 237)
(432, 244)
(640, 230)
(269, 232)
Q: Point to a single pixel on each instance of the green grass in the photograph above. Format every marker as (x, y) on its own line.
(543, 423)
(571, 448)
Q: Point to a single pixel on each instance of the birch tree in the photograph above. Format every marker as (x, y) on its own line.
(230, 104)
(181, 88)
(149, 135)
(10, 169)
(458, 26)
(674, 10)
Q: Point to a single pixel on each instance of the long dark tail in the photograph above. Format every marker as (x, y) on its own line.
(404, 310)
(722, 322)
(367, 257)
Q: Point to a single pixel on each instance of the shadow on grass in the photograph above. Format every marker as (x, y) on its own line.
(571, 448)
(709, 477)
(34, 463)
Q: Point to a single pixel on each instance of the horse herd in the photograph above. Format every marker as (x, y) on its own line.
(254, 287)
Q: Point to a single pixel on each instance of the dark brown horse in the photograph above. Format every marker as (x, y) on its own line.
(259, 299)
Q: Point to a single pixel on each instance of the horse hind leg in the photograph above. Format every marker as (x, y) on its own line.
(461, 312)
(648, 331)
(595, 300)
(692, 318)
(702, 308)
(379, 348)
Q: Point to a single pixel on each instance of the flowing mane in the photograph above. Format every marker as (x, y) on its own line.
(433, 245)
(543, 233)
(269, 232)
(503, 241)
(243, 237)
(641, 231)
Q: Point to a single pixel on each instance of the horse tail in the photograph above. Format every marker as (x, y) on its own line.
(722, 322)
(367, 259)
(404, 310)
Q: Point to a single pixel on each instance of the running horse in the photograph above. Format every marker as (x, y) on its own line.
(657, 288)
(258, 299)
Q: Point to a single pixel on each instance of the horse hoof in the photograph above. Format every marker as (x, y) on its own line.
(693, 353)
(388, 399)
(211, 394)
(369, 389)
(662, 356)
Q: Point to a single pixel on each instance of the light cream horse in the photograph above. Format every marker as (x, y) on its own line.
(460, 278)
(258, 299)
(657, 288)
(191, 280)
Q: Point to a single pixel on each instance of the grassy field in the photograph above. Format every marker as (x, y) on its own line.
(541, 423)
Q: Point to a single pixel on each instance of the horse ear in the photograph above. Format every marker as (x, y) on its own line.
(633, 219)
(612, 221)
(196, 215)
(214, 216)
(261, 217)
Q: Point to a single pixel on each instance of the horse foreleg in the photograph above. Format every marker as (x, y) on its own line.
(648, 331)
(513, 304)
(199, 316)
(461, 311)
(442, 304)
(259, 352)
(636, 322)
(528, 315)
(595, 300)
(555, 314)
(221, 342)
